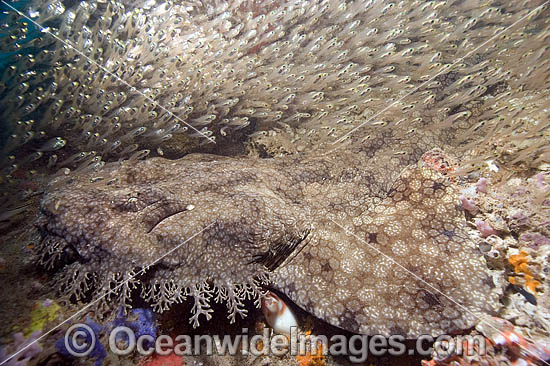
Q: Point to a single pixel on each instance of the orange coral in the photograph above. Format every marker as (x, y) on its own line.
(316, 359)
(520, 263)
(313, 359)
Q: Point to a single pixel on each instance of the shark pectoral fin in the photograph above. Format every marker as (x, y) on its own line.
(406, 266)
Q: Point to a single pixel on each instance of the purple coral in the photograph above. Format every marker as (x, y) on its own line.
(141, 321)
(21, 350)
(143, 325)
(539, 178)
(47, 303)
(535, 240)
(520, 218)
(98, 352)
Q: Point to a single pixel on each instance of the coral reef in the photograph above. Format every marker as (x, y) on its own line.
(312, 359)
(44, 312)
(511, 222)
(503, 345)
(485, 228)
(98, 352)
(515, 209)
(22, 350)
(520, 264)
(140, 321)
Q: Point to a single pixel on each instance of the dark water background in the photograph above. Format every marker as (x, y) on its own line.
(7, 57)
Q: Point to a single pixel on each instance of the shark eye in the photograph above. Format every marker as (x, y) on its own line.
(138, 199)
(130, 203)
(133, 204)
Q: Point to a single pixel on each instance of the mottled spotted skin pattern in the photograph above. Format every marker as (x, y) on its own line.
(349, 236)
(371, 279)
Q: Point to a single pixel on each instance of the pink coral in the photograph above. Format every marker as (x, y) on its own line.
(481, 185)
(540, 181)
(485, 228)
(468, 204)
